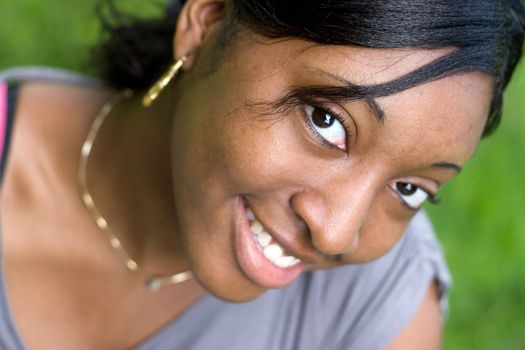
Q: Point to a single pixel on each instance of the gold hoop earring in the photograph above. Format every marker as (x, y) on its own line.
(164, 80)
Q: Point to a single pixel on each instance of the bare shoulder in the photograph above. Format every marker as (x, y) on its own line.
(55, 114)
(50, 122)
(424, 330)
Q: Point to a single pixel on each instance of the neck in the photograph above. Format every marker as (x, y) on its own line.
(130, 173)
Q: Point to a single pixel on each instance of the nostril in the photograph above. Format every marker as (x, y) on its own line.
(311, 210)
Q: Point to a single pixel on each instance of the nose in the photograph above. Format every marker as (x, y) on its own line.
(335, 212)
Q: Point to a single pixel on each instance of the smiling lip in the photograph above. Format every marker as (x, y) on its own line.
(252, 260)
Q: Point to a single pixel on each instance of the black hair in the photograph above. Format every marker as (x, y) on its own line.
(486, 35)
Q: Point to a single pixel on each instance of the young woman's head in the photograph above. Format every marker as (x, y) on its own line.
(333, 121)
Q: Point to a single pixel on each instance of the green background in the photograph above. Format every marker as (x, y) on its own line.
(480, 220)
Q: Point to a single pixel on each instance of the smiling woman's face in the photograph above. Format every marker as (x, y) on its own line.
(326, 181)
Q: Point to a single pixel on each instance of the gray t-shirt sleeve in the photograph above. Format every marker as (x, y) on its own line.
(384, 295)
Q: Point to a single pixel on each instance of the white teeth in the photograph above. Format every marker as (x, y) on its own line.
(263, 238)
(273, 251)
(256, 227)
(286, 261)
(250, 215)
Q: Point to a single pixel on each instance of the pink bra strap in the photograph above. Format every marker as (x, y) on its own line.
(3, 116)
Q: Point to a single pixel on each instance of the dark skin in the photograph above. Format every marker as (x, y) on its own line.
(176, 171)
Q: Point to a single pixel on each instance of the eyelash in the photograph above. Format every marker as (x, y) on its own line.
(433, 198)
(346, 125)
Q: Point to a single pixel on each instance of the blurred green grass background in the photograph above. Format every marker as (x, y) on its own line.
(480, 220)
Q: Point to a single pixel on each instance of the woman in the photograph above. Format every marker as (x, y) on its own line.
(288, 148)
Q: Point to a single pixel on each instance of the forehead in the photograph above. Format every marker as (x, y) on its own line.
(367, 66)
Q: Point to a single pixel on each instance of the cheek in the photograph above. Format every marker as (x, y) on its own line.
(256, 153)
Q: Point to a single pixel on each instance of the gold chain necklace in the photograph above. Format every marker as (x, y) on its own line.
(154, 282)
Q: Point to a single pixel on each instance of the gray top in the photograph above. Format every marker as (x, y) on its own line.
(350, 307)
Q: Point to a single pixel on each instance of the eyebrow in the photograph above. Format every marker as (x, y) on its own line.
(447, 165)
(349, 89)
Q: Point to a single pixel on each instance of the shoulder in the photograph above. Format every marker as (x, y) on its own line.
(367, 306)
(49, 124)
(51, 98)
(52, 113)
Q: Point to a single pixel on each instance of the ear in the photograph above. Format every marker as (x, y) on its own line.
(195, 24)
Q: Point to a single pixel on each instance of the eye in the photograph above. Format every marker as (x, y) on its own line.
(411, 195)
(327, 125)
